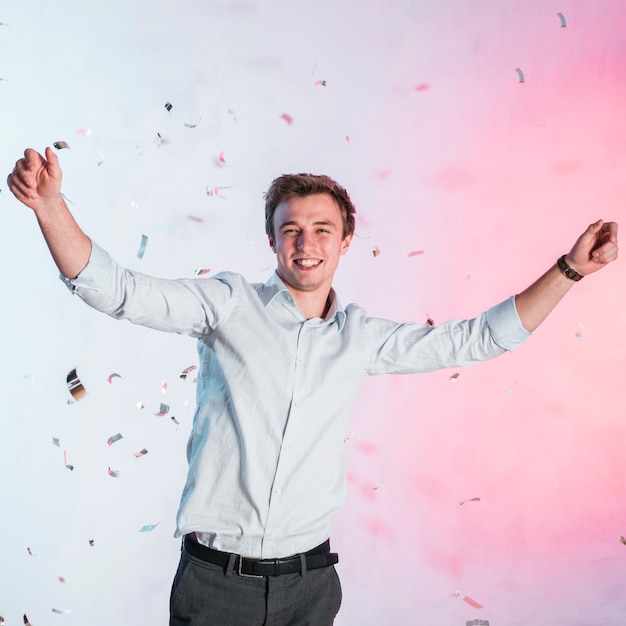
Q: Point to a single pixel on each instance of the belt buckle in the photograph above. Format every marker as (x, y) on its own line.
(249, 558)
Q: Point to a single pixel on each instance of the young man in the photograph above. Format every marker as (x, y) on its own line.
(280, 364)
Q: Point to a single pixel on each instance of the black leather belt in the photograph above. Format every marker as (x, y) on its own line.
(258, 568)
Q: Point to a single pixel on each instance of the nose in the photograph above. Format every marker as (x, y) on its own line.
(303, 241)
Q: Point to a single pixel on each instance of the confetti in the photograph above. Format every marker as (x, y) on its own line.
(100, 157)
(148, 528)
(62, 611)
(26, 622)
(30, 552)
(175, 421)
(163, 410)
(477, 622)
(158, 140)
(141, 453)
(114, 473)
(578, 336)
(56, 442)
(60, 145)
(430, 321)
(415, 253)
(140, 405)
(92, 543)
(287, 118)
(382, 480)
(164, 386)
(61, 579)
(75, 386)
(114, 438)
(320, 83)
(422, 87)
(1, 620)
(201, 272)
(347, 138)
(376, 251)
(168, 106)
(186, 371)
(112, 376)
(622, 539)
(520, 74)
(562, 18)
(470, 500)
(472, 602)
(69, 467)
(81, 132)
(142, 247)
(221, 158)
(233, 114)
(454, 377)
(187, 125)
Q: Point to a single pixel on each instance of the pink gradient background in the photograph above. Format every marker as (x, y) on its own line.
(449, 154)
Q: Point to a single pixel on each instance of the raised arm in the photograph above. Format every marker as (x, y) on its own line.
(36, 181)
(593, 250)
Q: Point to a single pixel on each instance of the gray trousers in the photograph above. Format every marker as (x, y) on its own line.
(204, 594)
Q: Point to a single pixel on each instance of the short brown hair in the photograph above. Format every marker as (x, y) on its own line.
(290, 185)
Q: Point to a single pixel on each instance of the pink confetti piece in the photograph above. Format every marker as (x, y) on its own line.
(163, 410)
(111, 440)
(100, 157)
(194, 218)
(164, 386)
(454, 377)
(201, 272)
(112, 376)
(61, 145)
(376, 251)
(221, 158)
(81, 132)
(320, 83)
(415, 253)
(67, 465)
(430, 321)
(175, 421)
(347, 138)
(422, 87)
(186, 371)
(114, 473)
(287, 118)
(472, 602)
(141, 453)
(61, 579)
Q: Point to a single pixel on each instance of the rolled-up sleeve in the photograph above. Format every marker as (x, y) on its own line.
(505, 325)
(186, 306)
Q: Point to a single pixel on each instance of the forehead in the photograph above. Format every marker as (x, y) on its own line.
(319, 207)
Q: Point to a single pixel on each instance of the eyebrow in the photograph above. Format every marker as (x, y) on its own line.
(318, 223)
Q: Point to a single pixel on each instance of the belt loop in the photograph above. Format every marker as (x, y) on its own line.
(230, 566)
(302, 564)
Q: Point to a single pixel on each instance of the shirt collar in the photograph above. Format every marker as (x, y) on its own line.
(275, 286)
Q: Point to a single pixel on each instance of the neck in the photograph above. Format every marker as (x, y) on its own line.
(312, 305)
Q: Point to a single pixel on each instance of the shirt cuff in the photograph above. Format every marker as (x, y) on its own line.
(505, 325)
(99, 261)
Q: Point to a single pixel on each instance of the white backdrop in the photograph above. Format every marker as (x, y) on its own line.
(419, 110)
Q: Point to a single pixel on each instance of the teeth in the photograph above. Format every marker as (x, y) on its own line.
(306, 262)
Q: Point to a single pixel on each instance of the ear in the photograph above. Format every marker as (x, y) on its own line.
(345, 244)
(272, 244)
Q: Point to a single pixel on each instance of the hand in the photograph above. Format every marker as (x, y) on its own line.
(35, 181)
(594, 249)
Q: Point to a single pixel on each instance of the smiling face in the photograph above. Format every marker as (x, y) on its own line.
(308, 243)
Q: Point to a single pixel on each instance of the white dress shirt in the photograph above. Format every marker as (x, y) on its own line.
(266, 450)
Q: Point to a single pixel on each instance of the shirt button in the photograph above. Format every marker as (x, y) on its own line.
(300, 361)
(296, 404)
(278, 491)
